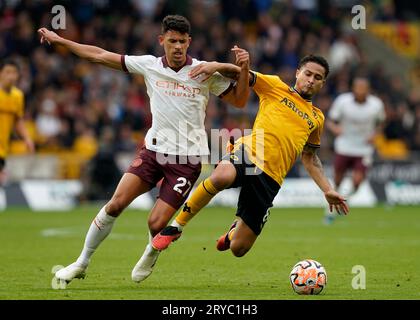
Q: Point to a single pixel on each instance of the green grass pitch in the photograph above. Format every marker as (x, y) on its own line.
(386, 242)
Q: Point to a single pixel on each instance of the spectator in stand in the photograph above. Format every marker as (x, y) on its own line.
(276, 33)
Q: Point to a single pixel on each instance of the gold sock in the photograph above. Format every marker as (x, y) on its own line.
(230, 234)
(199, 198)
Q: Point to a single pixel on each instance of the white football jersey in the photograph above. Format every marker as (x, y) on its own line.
(358, 121)
(177, 102)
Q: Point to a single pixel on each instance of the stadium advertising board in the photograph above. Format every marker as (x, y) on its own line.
(394, 183)
(2, 200)
(51, 194)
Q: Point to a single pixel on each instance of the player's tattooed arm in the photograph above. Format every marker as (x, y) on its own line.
(312, 152)
(310, 149)
(313, 166)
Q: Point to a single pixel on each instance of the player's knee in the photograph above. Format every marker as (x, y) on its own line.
(358, 179)
(156, 224)
(114, 207)
(357, 182)
(239, 250)
(337, 180)
(222, 179)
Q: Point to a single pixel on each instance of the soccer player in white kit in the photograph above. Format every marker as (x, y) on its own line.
(173, 145)
(354, 118)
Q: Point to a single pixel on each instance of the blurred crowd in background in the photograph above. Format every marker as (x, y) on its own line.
(73, 105)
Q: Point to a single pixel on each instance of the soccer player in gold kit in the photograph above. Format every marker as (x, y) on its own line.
(11, 111)
(287, 126)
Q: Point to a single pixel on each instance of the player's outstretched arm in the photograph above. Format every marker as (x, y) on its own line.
(205, 70)
(90, 53)
(313, 166)
(240, 92)
(239, 72)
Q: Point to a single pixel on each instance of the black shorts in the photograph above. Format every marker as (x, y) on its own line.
(2, 163)
(257, 192)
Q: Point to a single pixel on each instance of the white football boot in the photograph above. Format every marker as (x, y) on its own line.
(71, 272)
(144, 267)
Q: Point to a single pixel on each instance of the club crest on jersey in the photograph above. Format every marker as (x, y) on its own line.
(292, 106)
(136, 162)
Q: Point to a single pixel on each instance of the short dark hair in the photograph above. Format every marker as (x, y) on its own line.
(315, 59)
(360, 77)
(176, 23)
(8, 62)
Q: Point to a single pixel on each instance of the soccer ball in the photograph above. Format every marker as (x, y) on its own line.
(308, 277)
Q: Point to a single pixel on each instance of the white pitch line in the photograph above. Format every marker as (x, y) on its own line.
(68, 232)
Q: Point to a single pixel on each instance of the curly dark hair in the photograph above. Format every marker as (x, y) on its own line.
(176, 23)
(315, 59)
